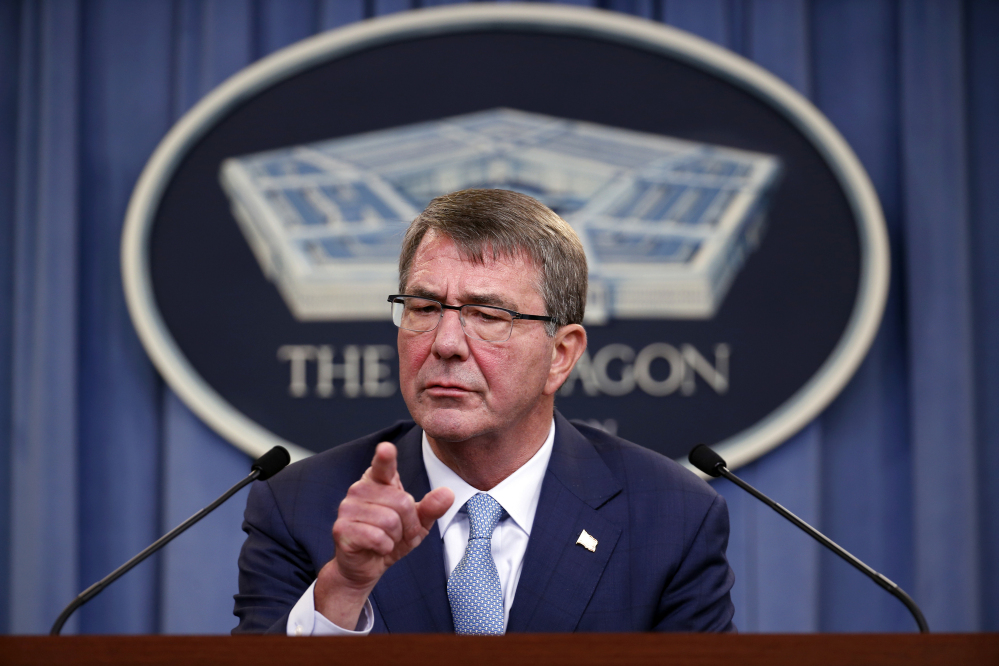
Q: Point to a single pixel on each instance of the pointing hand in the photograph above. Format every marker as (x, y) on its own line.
(378, 523)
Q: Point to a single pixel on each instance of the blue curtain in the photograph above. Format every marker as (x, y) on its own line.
(98, 457)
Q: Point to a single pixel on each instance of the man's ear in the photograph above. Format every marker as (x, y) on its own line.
(570, 343)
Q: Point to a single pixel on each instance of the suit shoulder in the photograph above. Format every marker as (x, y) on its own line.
(637, 463)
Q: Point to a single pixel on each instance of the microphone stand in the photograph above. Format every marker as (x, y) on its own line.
(712, 464)
(263, 468)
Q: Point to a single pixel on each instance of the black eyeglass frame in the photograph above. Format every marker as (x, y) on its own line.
(513, 313)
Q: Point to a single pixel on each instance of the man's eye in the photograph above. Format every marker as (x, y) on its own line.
(421, 308)
(486, 317)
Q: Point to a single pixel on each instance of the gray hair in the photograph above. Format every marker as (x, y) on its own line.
(509, 224)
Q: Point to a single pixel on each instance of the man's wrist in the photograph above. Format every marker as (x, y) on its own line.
(304, 620)
(337, 598)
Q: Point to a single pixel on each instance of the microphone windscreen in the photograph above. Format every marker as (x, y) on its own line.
(705, 459)
(271, 462)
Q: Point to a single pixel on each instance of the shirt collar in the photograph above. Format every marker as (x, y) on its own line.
(518, 493)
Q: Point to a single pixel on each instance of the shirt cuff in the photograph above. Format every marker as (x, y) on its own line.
(305, 620)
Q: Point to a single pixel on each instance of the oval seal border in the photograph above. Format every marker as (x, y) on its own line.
(803, 406)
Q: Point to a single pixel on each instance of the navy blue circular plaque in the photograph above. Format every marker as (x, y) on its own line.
(737, 253)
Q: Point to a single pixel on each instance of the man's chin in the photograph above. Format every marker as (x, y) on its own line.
(451, 425)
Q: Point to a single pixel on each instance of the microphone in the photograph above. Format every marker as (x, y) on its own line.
(705, 459)
(262, 468)
(266, 466)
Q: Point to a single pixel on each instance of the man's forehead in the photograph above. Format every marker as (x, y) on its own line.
(440, 266)
(435, 248)
(436, 243)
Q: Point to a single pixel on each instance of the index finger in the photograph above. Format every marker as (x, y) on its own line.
(383, 465)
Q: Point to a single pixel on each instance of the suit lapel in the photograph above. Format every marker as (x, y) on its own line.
(412, 595)
(559, 576)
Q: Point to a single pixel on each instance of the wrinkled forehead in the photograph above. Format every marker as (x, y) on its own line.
(474, 252)
(441, 259)
(479, 251)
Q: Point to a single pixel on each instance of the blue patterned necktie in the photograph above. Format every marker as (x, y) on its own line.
(474, 586)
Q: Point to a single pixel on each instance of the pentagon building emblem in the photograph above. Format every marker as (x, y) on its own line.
(666, 223)
(737, 252)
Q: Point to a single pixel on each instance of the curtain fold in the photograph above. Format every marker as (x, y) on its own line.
(98, 457)
(982, 72)
(10, 21)
(44, 455)
(866, 485)
(937, 253)
(125, 110)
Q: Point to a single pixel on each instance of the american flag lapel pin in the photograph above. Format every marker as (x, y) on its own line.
(587, 541)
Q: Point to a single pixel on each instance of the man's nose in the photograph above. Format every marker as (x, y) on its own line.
(449, 337)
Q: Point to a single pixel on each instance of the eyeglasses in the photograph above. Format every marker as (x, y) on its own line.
(482, 322)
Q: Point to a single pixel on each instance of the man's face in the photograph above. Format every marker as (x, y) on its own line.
(457, 387)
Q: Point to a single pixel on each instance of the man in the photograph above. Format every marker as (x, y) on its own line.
(525, 522)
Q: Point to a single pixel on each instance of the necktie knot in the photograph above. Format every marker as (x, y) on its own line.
(484, 513)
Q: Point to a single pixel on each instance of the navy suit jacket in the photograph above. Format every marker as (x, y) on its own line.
(659, 563)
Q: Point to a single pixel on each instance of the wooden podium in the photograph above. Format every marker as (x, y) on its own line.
(513, 650)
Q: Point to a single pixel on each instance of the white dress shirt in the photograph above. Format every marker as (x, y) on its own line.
(518, 494)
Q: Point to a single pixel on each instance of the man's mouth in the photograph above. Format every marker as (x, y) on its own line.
(446, 390)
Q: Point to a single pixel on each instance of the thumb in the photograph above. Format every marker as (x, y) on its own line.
(434, 505)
